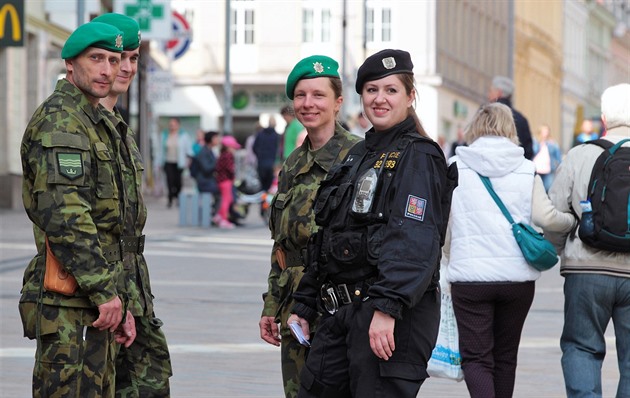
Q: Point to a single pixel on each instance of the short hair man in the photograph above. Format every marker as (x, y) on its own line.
(72, 194)
(142, 369)
(597, 282)
(501, 90)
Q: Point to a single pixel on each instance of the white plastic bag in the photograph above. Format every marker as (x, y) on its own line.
(446, 361)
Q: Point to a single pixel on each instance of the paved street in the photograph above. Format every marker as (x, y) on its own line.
(208, 284)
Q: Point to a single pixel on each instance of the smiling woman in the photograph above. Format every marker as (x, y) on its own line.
(315, 88)
(389, 197)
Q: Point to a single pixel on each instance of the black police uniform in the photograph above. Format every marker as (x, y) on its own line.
(379, 252)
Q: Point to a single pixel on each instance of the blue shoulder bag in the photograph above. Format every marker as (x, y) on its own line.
(538, 251)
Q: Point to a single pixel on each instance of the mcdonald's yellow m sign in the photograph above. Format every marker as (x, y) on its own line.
(12, 13)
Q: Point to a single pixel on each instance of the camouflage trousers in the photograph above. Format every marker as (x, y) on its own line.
(73, 360)
(292, 357)
(143, 369)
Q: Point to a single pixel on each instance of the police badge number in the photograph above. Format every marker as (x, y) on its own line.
(70, 165)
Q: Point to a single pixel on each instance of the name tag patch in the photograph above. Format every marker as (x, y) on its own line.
(415, 208)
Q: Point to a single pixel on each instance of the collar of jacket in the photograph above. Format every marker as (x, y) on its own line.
(381, 140)
(325, 157)
(505, 101)
(64, 86)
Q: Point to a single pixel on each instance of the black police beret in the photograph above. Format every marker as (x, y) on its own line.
(383, 63)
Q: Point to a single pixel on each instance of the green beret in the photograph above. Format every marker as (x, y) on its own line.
(127, 25)
(93, 34)
(309, 68)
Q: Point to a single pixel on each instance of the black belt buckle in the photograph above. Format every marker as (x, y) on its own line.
(344, 294)
(329, 298)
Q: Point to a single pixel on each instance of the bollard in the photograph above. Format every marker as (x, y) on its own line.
(188, 208)
(206, 208)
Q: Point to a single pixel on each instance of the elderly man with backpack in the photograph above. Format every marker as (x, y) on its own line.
(594, 183)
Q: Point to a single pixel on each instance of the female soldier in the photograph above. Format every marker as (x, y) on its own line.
(382, 217)
(315, 88)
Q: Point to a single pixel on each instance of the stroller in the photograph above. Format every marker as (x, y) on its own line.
(249, 192)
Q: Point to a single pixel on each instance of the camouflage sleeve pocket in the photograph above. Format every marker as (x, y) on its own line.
(68, 158)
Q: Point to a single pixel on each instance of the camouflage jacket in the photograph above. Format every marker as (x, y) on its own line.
(72, 192)
(135, 265)
(292, 220)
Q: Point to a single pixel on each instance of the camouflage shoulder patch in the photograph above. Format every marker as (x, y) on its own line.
(70, 165)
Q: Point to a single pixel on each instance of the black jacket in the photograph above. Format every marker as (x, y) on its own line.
(522, 129)
(206, 181)
(266, 147)
(404, 231)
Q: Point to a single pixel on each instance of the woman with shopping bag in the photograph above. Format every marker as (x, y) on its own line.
(492, 284)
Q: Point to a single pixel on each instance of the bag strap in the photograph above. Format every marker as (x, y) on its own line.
(497, 200)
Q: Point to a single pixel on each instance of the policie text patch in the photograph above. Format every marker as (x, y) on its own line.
(70, 165)
(415, 208)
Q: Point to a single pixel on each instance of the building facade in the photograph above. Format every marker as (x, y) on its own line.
(538, 64)
(561, 55)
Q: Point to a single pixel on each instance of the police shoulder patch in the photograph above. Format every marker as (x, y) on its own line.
(415, 208)
(70, 165)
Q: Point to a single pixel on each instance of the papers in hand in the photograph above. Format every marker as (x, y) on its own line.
(297, 332)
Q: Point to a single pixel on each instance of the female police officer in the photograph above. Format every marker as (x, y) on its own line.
(315, 88)
(374, 268)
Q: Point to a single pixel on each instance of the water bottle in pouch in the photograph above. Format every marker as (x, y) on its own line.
(586, 223)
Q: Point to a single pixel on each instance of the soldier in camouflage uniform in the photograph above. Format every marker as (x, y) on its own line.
(315, 88)
(73, 193)
(142, 369)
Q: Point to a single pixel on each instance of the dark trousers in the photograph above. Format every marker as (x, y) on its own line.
(143, 369)
(341, 363)
(173, 180)
(490, 318)
(265, 175)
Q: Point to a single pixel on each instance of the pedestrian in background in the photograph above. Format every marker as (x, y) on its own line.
(361, 125)
(225, 174)
(266, 151)
(199, 142)
(501, 91)
(587, 133)
(143, 368)
(207, 161)
(176, 152)
(315, 87)
(390, 197)
(291, 131)
(596, 282)
(459, 141)
(491, 283)
(547, 156)
(73, 195)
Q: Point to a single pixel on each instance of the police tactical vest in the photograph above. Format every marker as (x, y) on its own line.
(350, 216)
